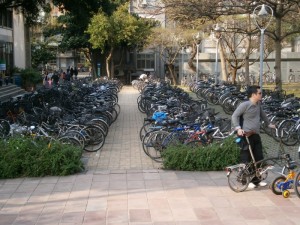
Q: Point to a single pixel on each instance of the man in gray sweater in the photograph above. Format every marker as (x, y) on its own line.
(252, 114)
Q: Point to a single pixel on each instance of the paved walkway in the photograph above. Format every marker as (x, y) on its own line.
(123, 187)
(122, 148)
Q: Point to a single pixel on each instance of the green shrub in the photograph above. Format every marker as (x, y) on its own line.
(21, 157)
(209, 158)
(30, 78)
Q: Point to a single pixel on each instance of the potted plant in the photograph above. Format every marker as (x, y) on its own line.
(30, 78)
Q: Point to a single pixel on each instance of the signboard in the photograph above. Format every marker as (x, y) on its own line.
(98, 69)
(2, 65)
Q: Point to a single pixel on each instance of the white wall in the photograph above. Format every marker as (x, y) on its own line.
(19, 41)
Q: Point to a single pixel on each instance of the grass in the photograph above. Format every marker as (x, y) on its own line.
(289, 88)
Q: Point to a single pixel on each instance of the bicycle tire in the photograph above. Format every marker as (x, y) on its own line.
(238, 179)
(117, 108)
(75, 134)
(297, 184)
(144, 129)
(95, 134)
(101, 123)
(274, 185)
(145, 141)
(70, 140)
(175, 138)
(287, 133)
(153, 147)
(114, 114)
(93, 148)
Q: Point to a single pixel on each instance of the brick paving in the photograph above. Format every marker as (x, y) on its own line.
(122, 186)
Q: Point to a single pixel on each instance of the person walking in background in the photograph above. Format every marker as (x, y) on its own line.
(46, 80)
(75, 73)
(55, 78)
(62, 77)
(247, 118)
(71, 73)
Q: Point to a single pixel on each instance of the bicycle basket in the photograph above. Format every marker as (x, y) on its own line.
(55, 111)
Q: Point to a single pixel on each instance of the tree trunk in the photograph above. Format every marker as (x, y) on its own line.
(108, 58)
(278, 54)
(172, 74)
(247, 64)
(223, 63)
(192, 57)
(233, 74)
(112, 69)
(93, 64)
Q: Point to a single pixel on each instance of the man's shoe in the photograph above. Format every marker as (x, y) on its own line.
(262, 184)
(251, 186)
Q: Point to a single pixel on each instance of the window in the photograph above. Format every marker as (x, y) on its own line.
(145, 61)
(6, 18)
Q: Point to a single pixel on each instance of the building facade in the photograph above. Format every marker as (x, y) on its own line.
(208, 56)
(14, 42)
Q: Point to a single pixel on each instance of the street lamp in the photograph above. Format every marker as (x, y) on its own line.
(217, 33)
(262, 15)
(182, 61)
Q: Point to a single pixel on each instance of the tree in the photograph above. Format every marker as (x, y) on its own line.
(167, 42)
(286, 15)
(74, 22)
(238, 45)
(41, 53)
(120, 29)
(29, 8)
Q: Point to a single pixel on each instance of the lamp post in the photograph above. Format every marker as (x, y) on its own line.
(217, 32)
(182, 61)
(262, 15)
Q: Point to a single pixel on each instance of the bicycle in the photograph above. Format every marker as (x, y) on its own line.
(239, 176)
(282, 183)
(297, 179)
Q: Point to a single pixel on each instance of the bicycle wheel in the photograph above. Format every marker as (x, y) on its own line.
(153, 145)
(175, 138)
(102, 123)
(276, 185)
(297, 184)
(76, 134)
(144, 129)
(94, 137)
(70, 141)
(238, 178)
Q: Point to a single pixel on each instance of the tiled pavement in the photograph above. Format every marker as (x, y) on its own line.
(123, 187)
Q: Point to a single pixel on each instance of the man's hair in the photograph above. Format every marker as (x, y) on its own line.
(252, 90)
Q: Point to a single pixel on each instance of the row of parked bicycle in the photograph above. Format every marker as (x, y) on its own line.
(78, 112)
(173, 117)
(282, 109)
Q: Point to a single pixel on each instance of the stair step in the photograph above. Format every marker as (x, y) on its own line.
(7, 87)
(9, 91)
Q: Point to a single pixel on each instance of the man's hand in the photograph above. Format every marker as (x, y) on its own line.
(240, 132)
